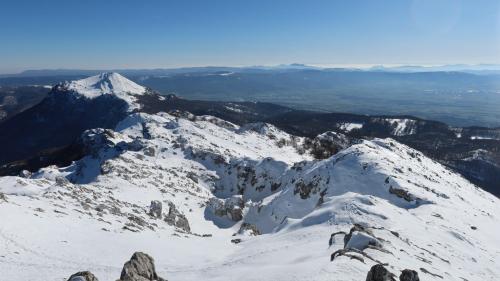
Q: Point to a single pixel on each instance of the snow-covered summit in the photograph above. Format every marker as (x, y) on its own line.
(108, 83)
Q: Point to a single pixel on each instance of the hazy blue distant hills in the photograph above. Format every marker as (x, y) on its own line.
(459, 99)
(159, 71)
(456, 98)
(480, 69)
(467, 68)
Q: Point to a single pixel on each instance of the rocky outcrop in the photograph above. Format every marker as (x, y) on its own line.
(354, 237)
(3, 198)
(155, 209)
(83, 276)
(150, 151)
(409, 275)
(231, 208)
(305, 190)
(401, 193)
(356, 241)
(248, 228)
(141, 267)
(94, 140)
(176, 218)
(327, 144)
(379, 273)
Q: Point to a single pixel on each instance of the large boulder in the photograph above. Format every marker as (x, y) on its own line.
(155, 209)
(141, 267)
(379, 273)
(231, 208)
(83, 276)
(409, 275)
(176, 218)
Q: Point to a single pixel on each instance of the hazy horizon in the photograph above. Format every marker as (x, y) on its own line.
(479, 66)
(157, 34)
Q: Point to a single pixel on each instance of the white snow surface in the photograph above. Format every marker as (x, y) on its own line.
(482, 138)
(92, 215)
(347, 127)
(108, 83)
(402, 127)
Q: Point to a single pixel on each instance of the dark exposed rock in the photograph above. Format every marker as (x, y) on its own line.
(409, 275)
(145, 131)
(62, 181)
(353, 230)
(369, 241)
(379, 273)
(100, 207)
(250, 228)
(83, 276)
(136, 220)
(230, 207)
(149, 151)
(3, 198)
(395, 233)
(141, 267)
(430, 273)
(95, 139)
(305, 190)
(356, 228)
(327, 144)
(192, 176)
(401, 193)
(175, 218)
(236, 214)
(155, 209)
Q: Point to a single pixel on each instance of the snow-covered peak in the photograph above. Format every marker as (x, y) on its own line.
(108, 83)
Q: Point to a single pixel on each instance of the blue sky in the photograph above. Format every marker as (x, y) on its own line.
(104, 34)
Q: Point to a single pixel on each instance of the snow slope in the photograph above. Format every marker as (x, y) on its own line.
(347, 127)
(109, 83)
(402, 127)
(218, 182)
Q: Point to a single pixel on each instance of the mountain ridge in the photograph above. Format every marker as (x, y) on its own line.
(246, 197)
(36, 142)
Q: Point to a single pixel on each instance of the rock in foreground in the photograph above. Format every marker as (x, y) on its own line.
(140, 267)
(379, 273)
(409, 275)
(83, 276)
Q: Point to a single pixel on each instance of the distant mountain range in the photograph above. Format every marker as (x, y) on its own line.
(456, 98)
(481, 69)
(467, 68)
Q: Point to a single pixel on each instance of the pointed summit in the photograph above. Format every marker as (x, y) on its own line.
(105, 83)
